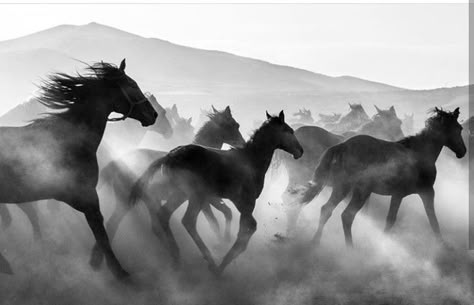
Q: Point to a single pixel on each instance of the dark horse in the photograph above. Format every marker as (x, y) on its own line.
(315, 140)
(366, 165)
(200, 174)
(122, 173)
(55, 157)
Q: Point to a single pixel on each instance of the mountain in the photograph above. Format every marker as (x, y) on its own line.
(192, 78)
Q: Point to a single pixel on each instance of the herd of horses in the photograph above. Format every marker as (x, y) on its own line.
(57, 157)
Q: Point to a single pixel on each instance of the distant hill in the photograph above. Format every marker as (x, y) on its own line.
(195, 78)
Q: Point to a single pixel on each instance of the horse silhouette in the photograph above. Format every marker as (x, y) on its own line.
(201, 174)
(54, 157)
(364, 165)
(328, 118)
(123, 134)
(351, 121)
(121, 174)
(315, 140)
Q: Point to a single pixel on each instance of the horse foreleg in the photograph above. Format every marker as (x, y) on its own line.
(32, 214)
(5, 216)
(395, 202)
(357, 202)
(227, 212)
(189, 222)
(248, 226)
(428, 202)
(90, 207)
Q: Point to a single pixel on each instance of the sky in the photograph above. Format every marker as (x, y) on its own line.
(416, 46)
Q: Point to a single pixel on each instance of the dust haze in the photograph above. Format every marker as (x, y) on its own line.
(406, 267)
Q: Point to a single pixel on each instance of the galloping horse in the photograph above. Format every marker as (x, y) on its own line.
(55, 157)
(122, 173)
(123, 134)
(200, 174)
(315, 140)
(366, 165)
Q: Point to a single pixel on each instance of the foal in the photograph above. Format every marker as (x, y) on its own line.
(200, 174)
(366, 165)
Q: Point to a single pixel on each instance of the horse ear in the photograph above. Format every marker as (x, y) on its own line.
(392, 109)
(190, 120)
(214, 109)
(281, 116)
(456, 112)
(268, 116)
(174, 108)
(122, 65)
(227, 110)
(377, 108)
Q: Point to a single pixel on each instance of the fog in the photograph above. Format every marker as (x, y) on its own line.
(406, 267)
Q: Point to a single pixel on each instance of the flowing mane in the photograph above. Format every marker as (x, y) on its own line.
(64, 92)
(432, 125)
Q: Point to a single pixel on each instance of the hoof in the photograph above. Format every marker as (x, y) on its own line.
(214, 269)
(5, 266)
(96, 261)
(122, 276)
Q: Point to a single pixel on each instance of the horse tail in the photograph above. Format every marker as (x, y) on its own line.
(321, 174)
(138, 189)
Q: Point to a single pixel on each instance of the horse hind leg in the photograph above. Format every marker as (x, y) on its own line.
(32, 213)
(6, 216)
(211, 218)
(338, 194)
(164, 215)
(359, 197)
(227, 212)
(189, 222)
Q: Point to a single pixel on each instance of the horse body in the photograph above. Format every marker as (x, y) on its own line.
(200, 174)
(315, 140)
(122, 173)
(366, 165)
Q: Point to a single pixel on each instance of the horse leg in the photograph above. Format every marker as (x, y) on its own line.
(5, 265)
(359, 197)
(395, 202)
(227, 212)
(428, 202)
(5, 216)
(32, 214)
(338, 194)
(189, 222)
(292, 215)
(211, 218)
(164, 215)
(90, 207)
(248, 226)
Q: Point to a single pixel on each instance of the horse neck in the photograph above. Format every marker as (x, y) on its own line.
(88, 121)
(209, 135)
(259, 151)
(427, 145)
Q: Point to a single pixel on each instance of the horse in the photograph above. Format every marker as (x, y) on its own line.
(303, 116)
(200, 174)
(54, 157)
(364, 165)
(128, 132)
(408, 124)
(121, 174)
(183, 132)
(315, 140)
(328, 118)
(351, 121)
